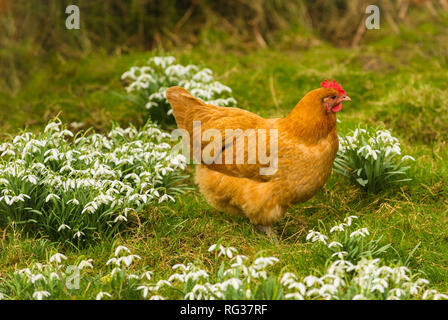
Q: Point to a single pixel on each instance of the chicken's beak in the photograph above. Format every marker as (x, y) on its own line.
(346, 98)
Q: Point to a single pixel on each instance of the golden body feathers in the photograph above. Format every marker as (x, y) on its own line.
(306, 148)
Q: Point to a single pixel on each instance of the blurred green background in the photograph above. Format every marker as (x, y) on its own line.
(47, 69)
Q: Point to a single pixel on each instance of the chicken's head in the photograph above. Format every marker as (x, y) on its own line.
(333, 96)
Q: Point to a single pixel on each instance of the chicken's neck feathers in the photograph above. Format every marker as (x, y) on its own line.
(309, 121)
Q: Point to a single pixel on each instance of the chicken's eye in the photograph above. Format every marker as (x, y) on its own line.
(333, 97)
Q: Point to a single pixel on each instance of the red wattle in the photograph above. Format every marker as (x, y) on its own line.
(337, 107)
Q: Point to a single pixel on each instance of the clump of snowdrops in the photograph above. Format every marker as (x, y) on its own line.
(75, 187)
(149, 83)
(372, 159)
(59, 278)
(354, 269)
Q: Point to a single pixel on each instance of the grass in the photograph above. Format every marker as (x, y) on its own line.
(391, 81)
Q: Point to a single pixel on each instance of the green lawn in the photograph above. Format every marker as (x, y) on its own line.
(398, 81)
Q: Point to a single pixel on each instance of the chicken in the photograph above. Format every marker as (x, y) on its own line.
(295, 161)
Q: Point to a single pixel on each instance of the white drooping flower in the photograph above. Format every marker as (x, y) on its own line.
(121, 248)
(102, 294)
(57, 257)
(39, 295)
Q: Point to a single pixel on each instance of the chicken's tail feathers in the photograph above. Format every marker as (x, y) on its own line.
(182, 103)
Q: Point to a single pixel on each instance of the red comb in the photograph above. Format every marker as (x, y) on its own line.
(332, 84)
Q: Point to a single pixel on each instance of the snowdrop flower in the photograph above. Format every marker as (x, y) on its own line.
(145, 290)
(263, 262)
(52, 126)
(36, 277)
(311, 280)
(197, 292)
(222, 249)
(121, 248)
(102, 294)
(32, 179)
(361, 232)
(63, 227)
(182, 266)
(89, 209)
(39, 295)
(407, 158)
(128, 259)
(120, 218)
(370, 152)
(348, 220)
(147, 275)
(428, 293)
(234, 282)
(54, 275)
(327, 290)
(229, 252)
(52, 196)
(66, 133)
(298, 286)
(335, 244)
(196, 275)
(25, 271)
(397, 292)
(74, 201)
(377, 287)
(339, 227)
(19, 198)
(345, 265)
(340, 254)
(78, 234)
(239, 259)
(113, 260)
(166, 196)
(85, 263)
(414, 288)
(176, 277)
(440, 296)
(130, 74)
(58, 257)
(8, 152)
(133, 277)
(151, 104)
(316, 236)
(287, 278)
(422, 282)
(162, 62)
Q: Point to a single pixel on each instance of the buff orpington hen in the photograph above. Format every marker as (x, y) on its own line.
(289, 162)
